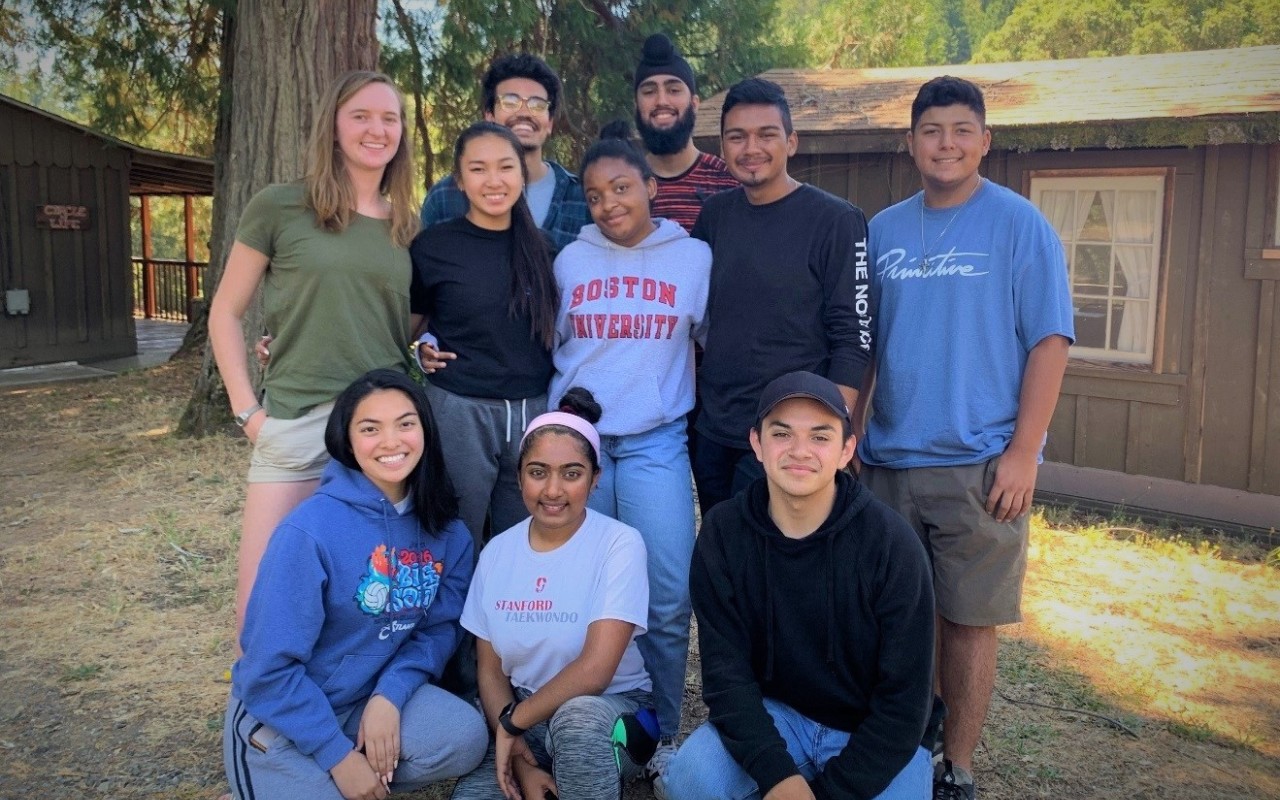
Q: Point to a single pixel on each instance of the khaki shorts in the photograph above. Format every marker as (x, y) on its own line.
(290, 450)
(978, 563)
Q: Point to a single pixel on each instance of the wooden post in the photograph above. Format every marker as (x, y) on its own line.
(148, 268)
(193, 278)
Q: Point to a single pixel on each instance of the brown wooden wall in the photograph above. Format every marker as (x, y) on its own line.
(79, 281)
(1208, 409)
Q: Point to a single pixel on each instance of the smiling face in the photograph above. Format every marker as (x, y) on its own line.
(618, 197)
(801, 445)
(531, 127)
(368, 128)
(386, 440)
(665, 113)
(948, 144)
(756, 147)
(555, 480)
(491, 175)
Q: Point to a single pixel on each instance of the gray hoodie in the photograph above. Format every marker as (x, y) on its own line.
(628, 319)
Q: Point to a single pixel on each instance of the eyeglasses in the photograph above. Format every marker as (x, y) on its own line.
(512, 102)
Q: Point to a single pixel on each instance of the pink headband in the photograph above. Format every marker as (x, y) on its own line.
(572, 421)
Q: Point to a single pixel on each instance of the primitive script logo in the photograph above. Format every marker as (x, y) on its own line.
(894, 265)
(398, 582)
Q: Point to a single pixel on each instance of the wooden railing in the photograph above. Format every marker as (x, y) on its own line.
(165, 288)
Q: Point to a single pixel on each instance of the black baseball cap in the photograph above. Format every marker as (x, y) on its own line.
(803, 384)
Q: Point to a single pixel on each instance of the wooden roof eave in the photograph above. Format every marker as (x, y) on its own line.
(1259, 128)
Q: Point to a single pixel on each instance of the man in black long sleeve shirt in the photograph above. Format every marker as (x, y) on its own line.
(789, 286)
(815, 624)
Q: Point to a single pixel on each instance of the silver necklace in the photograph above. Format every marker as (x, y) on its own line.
(924, 248)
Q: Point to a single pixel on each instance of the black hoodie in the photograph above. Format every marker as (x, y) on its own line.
(838, 625)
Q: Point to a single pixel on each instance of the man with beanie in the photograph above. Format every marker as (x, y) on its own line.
(666, 105)
(815, 623)
(521, 92)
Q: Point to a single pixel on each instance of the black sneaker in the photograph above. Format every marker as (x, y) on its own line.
(952, 783)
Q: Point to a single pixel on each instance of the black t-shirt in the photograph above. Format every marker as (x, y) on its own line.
(462, 283)
(789, 291)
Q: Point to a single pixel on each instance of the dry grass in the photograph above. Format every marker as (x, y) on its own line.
(117, 547)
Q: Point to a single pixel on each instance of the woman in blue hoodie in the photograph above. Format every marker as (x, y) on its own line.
(633, 293)
(354, 614)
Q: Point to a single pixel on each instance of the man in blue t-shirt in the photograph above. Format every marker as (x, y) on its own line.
(521, 92)
(972, 323)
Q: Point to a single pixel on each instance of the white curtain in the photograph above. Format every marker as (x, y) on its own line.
(1135, 252)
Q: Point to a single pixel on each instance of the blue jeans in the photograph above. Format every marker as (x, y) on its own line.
(645, 482)
(702, 768)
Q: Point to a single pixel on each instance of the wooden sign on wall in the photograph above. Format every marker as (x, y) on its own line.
(63, 217)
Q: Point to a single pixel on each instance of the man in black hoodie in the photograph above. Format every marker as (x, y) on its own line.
(814, 603)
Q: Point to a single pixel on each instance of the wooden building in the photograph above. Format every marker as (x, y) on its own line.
(66, 277)
(1160, 173)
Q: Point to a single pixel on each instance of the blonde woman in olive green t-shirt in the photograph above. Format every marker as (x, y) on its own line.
(330, 255)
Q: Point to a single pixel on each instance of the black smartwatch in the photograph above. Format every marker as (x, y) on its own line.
(504, 719)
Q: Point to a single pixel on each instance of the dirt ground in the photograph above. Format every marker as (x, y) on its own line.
(1146, 668)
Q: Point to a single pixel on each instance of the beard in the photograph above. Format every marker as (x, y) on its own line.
(666, 141)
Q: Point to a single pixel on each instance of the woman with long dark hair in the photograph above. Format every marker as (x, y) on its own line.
(484, 292)
(354, 616)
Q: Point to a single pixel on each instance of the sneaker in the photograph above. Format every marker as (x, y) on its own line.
(656, 769)
(635, 737)
(952, 783)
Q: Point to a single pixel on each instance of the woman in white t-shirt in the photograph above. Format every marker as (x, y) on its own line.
(556, 604)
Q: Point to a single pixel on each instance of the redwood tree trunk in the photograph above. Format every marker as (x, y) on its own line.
(278, 57)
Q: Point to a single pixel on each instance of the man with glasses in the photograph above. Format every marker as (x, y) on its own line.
(522, 93)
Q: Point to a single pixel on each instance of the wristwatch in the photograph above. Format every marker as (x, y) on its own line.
(242, 418)
(504, 719)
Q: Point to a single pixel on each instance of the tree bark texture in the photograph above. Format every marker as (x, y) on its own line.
(279, 56)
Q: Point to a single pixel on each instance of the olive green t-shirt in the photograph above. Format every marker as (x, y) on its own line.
(336, 303)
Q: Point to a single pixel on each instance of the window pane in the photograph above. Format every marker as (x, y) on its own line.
(1091, 322)
(1097, 225)
(1093, 269)
(1129, 325)
(1136, 217)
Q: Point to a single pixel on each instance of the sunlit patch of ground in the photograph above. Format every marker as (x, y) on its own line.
(1163, 628)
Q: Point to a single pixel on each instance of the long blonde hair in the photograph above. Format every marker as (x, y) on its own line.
(329, 191)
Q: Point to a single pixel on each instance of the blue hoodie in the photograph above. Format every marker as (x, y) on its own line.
(352, 599)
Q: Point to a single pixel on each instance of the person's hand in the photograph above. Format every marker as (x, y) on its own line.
(508, 751)
(262, 349)
(534, 782)
(255, 423)
(793, 788)
(357, 780)
(1014, 486)
(379, 736)
(431, 359)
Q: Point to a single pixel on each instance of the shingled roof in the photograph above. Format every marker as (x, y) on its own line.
(1217, 97)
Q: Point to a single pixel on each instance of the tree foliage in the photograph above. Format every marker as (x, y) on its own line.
(142, 70)
(594, 46)
(1049, 29)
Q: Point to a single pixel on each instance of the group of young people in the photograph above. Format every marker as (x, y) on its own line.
(519, 526)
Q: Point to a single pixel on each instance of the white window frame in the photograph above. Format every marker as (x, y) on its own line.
(1114, 181)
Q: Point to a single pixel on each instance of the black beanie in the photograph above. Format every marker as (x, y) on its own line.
(660, 57)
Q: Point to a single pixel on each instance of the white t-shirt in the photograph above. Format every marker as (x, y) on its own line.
(534, 608)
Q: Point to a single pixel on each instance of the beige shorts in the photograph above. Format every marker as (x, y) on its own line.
(978, 563)
(290, 450)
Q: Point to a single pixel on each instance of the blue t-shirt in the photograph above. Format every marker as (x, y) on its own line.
(952, 336)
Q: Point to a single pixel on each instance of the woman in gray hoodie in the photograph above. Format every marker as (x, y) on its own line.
(633, 296)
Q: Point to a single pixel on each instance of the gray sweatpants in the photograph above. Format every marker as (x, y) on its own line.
(481, 442)
(441, 737)
(575, 745)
